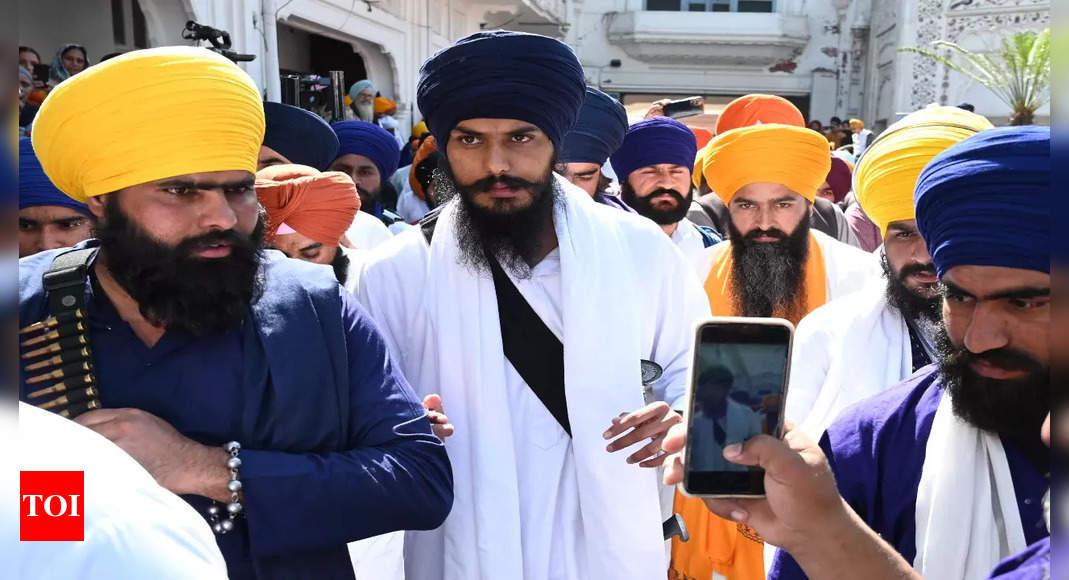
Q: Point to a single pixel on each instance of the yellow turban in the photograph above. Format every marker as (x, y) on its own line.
(148, 115)
(419, 129)
(793, 156)
(888, 171)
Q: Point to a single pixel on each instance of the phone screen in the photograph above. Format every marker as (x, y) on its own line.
(739, 385)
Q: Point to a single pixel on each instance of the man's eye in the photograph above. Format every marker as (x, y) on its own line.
(27, 226)
(311, 255)
(239, 190)
(954, 296)
(784, 204)
(179, 190)
(521, 138)
(468, 139)
(904, 235)
(1028, 304)
(72, 224)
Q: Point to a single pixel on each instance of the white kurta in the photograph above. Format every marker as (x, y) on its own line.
(691, 243)
(367, 231)
(530, 502)
(847, 268)
(133, 527)
(845, 351)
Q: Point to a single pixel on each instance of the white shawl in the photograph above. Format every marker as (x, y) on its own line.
(448, 336)
(967, 514)
(847, 350)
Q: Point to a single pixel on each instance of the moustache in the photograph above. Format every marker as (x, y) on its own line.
(231, 238)
(665, 191)
(1005, 358)
(771, 233)
(912, 269)
(510, 181)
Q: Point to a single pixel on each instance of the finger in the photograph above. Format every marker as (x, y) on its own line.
(640, 433)
(442, 431)
(771, 454)
(433, 402)
(437, 418)
(655, 461)
(648, 451)
(675, 438)
(728, 509)
(673, 470)
(643, 415)
(101, 416)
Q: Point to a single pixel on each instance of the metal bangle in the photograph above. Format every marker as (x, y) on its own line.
(222, 525)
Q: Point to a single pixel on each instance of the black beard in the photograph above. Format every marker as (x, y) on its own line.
(661, 217)
(514, 237)
(767, 275)
(913, 306)
(1011, 407)
(172, 288)
(340, 263)
(368, 200)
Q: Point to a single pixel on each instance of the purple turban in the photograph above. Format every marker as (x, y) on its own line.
(654, 141)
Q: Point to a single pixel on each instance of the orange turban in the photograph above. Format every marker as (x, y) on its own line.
(426, 148)
(759, 109)
(793, 156)
(704, 136)
(382, 105)
(318, 205)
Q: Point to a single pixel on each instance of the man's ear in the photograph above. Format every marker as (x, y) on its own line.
(97, 203)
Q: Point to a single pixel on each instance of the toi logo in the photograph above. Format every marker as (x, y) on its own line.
(51, 506)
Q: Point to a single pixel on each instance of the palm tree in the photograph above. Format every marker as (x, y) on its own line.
(1019, 73)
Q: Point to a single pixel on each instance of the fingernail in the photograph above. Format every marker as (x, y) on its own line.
(609, 449)
(733, 450)
(738, 516)
(630, 461)
(606, 434)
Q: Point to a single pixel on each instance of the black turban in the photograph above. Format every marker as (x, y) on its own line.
(502, 75)
(300, 136)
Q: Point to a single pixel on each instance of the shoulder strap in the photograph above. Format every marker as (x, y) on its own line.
(709, 237)
(427, 224)
(56, 353)
(532, 348)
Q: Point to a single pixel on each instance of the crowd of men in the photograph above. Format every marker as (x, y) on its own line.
(448, 383)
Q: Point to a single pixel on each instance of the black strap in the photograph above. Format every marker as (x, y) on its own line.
(532, 348)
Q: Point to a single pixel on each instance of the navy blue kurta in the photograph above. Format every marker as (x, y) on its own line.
(335, 444)
(877, 449)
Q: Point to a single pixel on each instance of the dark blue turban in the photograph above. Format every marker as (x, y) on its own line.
(300, 136)
(371, 141)
(597, 133)
(502, 75)
(34, 186)
(653, 141)
(986, 201)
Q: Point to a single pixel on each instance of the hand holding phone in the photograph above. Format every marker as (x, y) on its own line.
(738, 385)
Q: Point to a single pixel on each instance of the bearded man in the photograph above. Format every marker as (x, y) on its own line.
(195, 329)
(369, 156)
(362, 94)
(497, 303)
(948, 467)
(597, 134)
(857, 346)
(653, 165)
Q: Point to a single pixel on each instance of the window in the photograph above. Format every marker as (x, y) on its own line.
(118, 22)
(712, 5)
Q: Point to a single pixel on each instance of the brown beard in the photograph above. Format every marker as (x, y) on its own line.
(769, 277)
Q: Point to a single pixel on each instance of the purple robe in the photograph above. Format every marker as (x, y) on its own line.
(877, 449)
(1031, 564)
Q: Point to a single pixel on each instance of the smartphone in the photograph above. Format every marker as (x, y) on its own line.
(40, 72)
(684, 107)
(738, 384)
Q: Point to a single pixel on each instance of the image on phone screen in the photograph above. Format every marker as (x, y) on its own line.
(739, 386)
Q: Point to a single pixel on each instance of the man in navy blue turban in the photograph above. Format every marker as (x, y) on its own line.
(48, 218)
(597, 133)
(983, 209)
(369, 154)
(501, 308)
(295, 135)
(654, 166)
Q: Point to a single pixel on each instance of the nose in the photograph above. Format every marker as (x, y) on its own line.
(764, 219)
(986, 330)
(497, 160)
(216, 212)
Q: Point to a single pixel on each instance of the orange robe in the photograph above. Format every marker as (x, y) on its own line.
(718, 545)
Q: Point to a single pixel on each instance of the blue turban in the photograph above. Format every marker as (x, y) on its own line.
(35, 188)
(986, 201)
(502, 75)
(598, 131)
(300, 136)
(653, 141)
(371, 141)
(359, 86)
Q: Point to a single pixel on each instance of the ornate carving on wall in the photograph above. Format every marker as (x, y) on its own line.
(929, 28)
(1003, 22)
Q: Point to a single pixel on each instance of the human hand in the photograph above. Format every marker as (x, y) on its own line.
(177, 462)
(657, 108)
(651, 421)
(801, 500)
(436, 414)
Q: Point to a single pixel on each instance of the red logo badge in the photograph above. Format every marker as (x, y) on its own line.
(51, 506)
